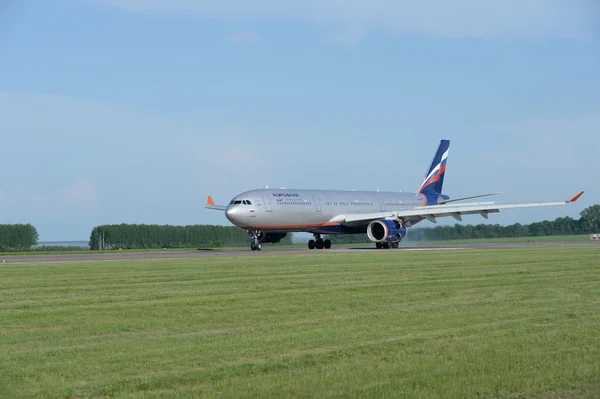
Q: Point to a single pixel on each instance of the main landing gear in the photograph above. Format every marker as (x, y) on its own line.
(386, 245)
(255, 245)
(319, 243)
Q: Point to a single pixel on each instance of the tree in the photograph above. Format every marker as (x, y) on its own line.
(142, 236)
(17, 237)
(590, 219)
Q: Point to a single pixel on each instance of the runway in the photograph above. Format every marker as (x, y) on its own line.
(267, 251)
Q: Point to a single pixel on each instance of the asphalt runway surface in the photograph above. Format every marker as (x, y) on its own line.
(207, 253)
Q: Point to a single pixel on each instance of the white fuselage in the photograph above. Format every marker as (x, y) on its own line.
(312, 210)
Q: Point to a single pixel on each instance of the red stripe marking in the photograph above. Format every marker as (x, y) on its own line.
(293, 226)
(435, 178)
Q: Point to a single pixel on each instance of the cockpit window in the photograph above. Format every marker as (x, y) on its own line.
(238, 202)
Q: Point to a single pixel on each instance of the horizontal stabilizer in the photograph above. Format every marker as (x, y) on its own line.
(575, 198)
(210, 204)
(442, 201)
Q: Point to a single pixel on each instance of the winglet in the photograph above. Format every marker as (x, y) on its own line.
(210, 201)
(575, 198)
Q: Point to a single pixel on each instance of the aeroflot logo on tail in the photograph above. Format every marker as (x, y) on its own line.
(287, 195)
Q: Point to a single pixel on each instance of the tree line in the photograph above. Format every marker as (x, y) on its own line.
(17, 237)
(146, 236)
(142, 236)
(22, 237)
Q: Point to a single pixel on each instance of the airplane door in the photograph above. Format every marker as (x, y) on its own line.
(318, 204)
(267, 202)
(381, 206)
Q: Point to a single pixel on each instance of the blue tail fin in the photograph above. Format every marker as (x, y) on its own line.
(434, 179)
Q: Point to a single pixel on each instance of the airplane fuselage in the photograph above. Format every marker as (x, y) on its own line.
(287, 210)
(269, 214)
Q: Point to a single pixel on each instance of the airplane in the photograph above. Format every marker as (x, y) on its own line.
(270, 214)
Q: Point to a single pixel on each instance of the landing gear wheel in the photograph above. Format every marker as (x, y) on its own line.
(386, 245)
(378, 245)
(256, 247)
(395, 245)
(318, 242)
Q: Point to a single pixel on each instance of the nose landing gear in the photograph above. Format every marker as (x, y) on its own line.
(254, 235)
(319, 243)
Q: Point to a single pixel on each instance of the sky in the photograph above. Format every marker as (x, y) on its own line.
(131, 111)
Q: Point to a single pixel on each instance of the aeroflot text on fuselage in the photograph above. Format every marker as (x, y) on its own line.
(286, 195)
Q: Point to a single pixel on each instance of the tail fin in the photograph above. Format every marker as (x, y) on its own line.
(434, 179)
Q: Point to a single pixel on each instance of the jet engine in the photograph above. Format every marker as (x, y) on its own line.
(270, 237)
(386, 231)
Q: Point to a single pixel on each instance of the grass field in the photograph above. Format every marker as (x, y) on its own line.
(512, 240)
(437, 324)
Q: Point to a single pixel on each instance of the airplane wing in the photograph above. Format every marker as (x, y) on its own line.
(210, 204)
(432, 212)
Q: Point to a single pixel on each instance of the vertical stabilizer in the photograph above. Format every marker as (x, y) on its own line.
(434, 179)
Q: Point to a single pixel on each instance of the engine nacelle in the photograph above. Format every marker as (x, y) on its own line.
(386, 231)
(271, 237)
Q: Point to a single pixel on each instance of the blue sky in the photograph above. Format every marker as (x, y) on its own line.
(133, 111)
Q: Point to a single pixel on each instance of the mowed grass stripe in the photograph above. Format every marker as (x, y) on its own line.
(436, 324)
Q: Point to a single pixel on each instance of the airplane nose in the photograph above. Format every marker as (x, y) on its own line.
(233, 214)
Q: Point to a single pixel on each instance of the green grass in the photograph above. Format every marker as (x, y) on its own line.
(87, 251)
(512, 240)
(441, 324)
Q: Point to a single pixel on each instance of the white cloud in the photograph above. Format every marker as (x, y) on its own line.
(244, 37)
(80, 197)
(38, 203)
(109, 132)
(74, 200)
(354, 18)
